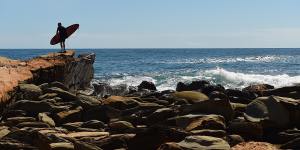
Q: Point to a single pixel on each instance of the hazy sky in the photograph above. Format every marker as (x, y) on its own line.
(152, 23)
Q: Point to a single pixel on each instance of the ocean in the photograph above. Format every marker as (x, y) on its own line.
(230, 67)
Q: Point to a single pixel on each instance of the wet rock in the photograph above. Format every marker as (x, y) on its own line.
(48, 96)
(160, 115)
(19, 135)
(258, 88)
(61, 146)
(65, 95)
(254, 146)
(94, 124)
(198, 142)
(33, 124)
(104, 89)
(87, 101)
(195, 85)
(120, 102)
(33, 106)
(43, 117)
(29, 91)
(270, 111)
(72, 126)
(121, 126)
(191, 96)
(79, 145)
(293, 144)
(153, 137)
(16, 145)
(116, 141)
(87, 134)
(216, 106)
(14, 113)
(68, 116)
(234, 139)
(16, 120)
(197, 122)
(288, 91)
(4, 131)
(288, 135)
(217, 94)
(207, 89)
(238, 96)
(248, 130)
(100, 113)
(208, 132)
(147, 85)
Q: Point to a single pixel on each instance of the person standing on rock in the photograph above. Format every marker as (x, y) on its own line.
(61, 30)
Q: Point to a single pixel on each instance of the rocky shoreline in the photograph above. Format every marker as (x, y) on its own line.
(55, 108)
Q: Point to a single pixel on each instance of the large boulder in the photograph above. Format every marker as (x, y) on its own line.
(68, 116)
(87, 101)
(147, 85)
(216, 106)
(209, 132)
(195, 85)
(29, 91)
(153, 137)
(43, 117)
(198, 122)
(104, 89)
(120, 102)
(196, 143)
(273, 111)
(160, 115)
(12, 121)
(293, 144)
(120, 126)
(248, 130)
(101, 113)
(116, 141)
(65, 95)
(33, 106)
(191, 96)
(258, 88)
(288, 91)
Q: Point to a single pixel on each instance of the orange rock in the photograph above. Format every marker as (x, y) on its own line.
(254, 146)
(14, 71)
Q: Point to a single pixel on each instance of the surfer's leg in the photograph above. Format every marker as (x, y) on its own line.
(64, 46)
(61, 46)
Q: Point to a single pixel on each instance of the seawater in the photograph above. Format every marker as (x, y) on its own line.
(233, 68)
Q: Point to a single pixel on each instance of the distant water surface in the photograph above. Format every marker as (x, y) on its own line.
(233, 68)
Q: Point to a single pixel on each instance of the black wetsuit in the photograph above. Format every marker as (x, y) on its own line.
(62, 33)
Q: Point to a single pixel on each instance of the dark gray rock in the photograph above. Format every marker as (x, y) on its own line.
(147, 85)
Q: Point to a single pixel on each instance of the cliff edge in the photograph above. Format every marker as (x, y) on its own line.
(75, 73)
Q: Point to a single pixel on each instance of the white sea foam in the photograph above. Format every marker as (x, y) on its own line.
(130, 80)
(239, 80)
(228, 79)
(267, 58)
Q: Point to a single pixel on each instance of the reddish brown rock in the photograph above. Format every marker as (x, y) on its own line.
(63, 67)
(254, 146)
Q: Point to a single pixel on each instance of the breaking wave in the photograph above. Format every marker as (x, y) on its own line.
(217, 75)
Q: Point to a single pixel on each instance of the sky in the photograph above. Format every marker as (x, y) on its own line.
(152, 23)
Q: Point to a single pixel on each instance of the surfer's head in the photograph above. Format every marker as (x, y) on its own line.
(59, 24)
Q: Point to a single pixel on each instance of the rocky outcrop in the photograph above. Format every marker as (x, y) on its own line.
(74, 73)
(48, 111)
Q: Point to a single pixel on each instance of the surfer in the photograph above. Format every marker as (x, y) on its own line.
(63, 35)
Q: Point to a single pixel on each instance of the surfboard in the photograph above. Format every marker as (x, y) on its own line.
(70, 30)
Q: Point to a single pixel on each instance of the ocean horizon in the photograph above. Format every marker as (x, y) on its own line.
(230, 67)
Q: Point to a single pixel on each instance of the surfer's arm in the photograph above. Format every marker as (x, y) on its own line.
(57, 31)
